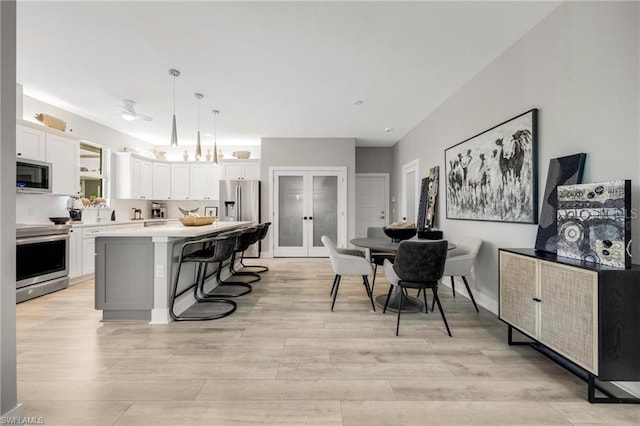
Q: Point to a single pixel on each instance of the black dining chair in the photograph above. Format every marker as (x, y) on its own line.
(419, 264)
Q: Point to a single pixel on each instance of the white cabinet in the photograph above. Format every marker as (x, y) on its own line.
(161, 181)
(64, 156)
(75, 252)
(180, 181)
(133, 178)
(30, 143)
(89, 248)
(247, 169)
(204, 181)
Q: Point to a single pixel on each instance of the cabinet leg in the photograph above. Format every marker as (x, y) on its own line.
(608, 398)
(510, 337)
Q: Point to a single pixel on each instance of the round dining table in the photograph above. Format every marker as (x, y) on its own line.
(409, 303)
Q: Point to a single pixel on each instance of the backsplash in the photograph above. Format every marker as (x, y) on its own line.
(38, 208)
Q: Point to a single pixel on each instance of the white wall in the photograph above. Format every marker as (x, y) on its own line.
(8, 390)
(308, 152)
(580, 67)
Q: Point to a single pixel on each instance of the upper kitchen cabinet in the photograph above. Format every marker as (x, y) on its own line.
(63, 154)
(133, 176)
(161, 181)
(62, 151)
(30, 143)
(240, 169)
(204, 181)
(180, 181)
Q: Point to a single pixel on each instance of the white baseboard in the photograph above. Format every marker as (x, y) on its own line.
(481, 299)
(266, 254)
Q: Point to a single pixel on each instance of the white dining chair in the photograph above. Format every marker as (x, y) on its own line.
(459, 264)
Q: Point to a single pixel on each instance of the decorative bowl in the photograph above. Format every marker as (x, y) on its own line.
(243, 155)
(399, 234)
(60, 220)
(197, 220)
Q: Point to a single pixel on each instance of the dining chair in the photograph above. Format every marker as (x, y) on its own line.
(419, 264)
(378, 257)
(346, 264)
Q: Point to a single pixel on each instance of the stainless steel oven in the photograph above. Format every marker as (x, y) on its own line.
(42, 260)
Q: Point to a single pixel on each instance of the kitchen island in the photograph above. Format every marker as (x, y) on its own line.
(135, 269)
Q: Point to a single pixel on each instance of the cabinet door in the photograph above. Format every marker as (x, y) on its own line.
(215, 182)
(568, 313)
(136, 170)
(146, 179)
(179, 181)
(252, 171)
(75, 253)
(64, 156)
(200, 182)
(518, 287)
(232, 171)
(161, 181)
(30, 143)
(88, 255)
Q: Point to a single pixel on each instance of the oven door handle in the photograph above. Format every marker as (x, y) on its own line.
(44, 239)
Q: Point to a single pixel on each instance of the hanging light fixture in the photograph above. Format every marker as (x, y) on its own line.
(198, 146)
(174, 133)
(215, 142)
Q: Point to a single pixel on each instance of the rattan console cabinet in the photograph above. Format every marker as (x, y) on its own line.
(588, 315)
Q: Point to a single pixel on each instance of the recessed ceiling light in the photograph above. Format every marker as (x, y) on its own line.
(357, 102)
(388, 129)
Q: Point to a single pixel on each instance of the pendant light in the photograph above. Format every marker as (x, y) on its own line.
(174, 133)
(215, 142)
(198, 146)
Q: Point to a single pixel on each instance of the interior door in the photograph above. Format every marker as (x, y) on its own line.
(372, 195)
(308, 205)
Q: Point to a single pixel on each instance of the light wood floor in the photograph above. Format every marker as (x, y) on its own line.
(285, 358)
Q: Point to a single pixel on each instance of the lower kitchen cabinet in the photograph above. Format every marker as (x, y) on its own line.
(586, 313)
(75, 252)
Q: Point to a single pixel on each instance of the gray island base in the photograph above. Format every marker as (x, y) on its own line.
(136, 268)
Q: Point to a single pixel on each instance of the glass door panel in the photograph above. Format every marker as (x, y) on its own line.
(325, 208)
(290, 211)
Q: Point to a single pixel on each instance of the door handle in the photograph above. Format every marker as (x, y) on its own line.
(310, 217)
(305, 218)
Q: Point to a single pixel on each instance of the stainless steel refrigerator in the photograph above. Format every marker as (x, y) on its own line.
(240, 201)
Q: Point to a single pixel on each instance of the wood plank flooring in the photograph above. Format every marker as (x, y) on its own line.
(284, 358)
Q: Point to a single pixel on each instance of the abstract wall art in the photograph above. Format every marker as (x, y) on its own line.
(562, 171)
(428, 198)
(493, 175)
(594, 222)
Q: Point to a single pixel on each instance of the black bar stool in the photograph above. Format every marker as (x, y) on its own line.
(264, 230)
(207, 308)
(246, 238)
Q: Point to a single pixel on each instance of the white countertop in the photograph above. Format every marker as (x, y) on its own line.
(171, 229)
(120, 222)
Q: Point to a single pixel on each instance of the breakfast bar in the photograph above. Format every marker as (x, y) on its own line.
(135, 269)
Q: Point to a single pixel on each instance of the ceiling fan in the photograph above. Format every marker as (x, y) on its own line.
(128, 112)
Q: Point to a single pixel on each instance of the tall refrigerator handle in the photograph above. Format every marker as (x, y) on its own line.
(238, 203)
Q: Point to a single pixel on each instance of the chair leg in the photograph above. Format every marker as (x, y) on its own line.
(399, 310)
(333, 287)
(470, 294)
(335, 293)
(444, 318)
(365, 279)
(386, 302)
(453, 286)
(426, 304)
(373, 282)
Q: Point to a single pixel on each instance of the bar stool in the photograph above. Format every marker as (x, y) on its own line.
(241, 237)
(202, 309)
(264, 230)
(247, 237)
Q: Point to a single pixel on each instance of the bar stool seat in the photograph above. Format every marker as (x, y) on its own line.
(205, 308)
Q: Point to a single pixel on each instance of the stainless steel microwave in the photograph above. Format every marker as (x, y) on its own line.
(33, 176)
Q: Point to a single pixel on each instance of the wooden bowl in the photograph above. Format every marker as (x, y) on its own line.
(197, 220)
(399, 234)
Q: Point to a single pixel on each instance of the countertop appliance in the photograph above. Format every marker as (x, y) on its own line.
(33, 176)
(42, 260)
(240, 201)
(158, 210)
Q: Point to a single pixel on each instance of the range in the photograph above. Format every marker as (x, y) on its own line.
(42, 253)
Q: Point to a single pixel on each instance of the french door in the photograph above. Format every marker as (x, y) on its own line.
(308, 204)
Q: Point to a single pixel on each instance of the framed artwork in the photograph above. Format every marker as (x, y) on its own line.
(211, 211)
(562, 171)
(428, 195)
(494, 175)
(594, 222)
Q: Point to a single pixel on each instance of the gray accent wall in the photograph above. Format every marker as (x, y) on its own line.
(307, 152)
(374, 159)
(8, 384)
(579, 66)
